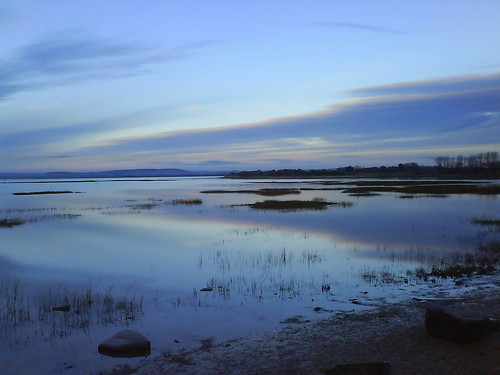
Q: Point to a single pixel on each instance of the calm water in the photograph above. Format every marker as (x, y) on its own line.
(142, 262)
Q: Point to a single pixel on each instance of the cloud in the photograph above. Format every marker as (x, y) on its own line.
(61, 59)
(356, 26)
(375, 125)
(454, 84)
(12, 137)
(218, 163)
(442, 119)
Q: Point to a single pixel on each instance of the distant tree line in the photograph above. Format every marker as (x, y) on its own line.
(486, 160)
(482, 165)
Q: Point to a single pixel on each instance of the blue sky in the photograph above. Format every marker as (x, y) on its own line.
(93, 85)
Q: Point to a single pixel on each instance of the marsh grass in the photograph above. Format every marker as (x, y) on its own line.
(364, 194)
(185, 202)
(265, 192)
(9, 223)
(142, 206)
(295, 205)
(433, 189)
(407, 182)
(263, 274)
(485, 260)
(412, 196)
(491, 224)
(59, 311)
(46, 192)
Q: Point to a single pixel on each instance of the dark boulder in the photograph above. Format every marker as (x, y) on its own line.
(126, 344)
(445, 325)
(369, 368)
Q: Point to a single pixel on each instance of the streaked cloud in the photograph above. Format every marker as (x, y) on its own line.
(371, 126)
(368, 131)
(68, 58)
(435, 86)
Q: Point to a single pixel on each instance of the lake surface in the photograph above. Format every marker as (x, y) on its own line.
(136, 254)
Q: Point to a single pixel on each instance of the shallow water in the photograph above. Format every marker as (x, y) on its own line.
(124, 241)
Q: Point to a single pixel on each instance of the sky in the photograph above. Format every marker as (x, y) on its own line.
(243, 85)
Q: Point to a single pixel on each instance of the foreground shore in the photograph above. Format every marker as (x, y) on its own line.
(393, 334)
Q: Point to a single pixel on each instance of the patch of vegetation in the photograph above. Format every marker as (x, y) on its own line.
(321, 189)
(407, 182)
(486, 222)
(364, 194)
(294, 205)
(187, 202)
(265, 192)
(142, 206)
(9, 223)
(45, 192)
(411, 196)
(59, 312)
(429, 189)
(485, 260)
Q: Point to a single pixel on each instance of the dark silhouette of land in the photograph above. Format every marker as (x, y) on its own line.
(479, 166)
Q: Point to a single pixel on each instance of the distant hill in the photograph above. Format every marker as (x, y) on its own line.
(120, 173)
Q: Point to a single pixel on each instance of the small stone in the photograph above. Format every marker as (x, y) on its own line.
(443, 324)
(126, 344)
(369, 368)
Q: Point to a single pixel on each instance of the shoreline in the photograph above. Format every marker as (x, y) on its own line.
(394, 333)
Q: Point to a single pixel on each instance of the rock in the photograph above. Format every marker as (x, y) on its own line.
(61, 308)
(369, 368)
(126, 344)
(443, 324)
